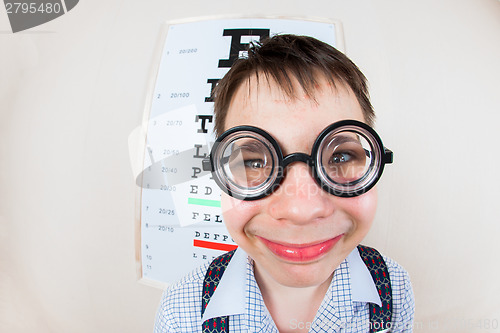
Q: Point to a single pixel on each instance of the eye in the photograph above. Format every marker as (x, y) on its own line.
(254, 164)
(338, 158)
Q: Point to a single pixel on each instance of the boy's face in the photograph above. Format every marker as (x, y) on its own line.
(298, 235)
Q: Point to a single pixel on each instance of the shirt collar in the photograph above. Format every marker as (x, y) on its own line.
(229, 297)
(363, 288)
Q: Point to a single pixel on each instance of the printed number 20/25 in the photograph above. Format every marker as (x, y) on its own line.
(166, 211)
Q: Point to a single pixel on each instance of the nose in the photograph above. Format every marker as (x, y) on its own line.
(299, 199)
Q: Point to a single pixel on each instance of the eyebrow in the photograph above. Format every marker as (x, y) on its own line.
(251, 144)
(345, 139)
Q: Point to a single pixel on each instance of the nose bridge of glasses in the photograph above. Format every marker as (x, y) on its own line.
(297, 157)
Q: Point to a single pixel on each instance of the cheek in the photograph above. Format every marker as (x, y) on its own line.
(363, 208)
(237, 213)
(360, 211)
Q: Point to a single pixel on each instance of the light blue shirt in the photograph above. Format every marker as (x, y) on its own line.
(344, 307)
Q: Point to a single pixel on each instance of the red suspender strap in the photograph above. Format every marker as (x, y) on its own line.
(212, 278)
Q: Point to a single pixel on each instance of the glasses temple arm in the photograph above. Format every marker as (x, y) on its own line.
(388, 156)
(206, 164)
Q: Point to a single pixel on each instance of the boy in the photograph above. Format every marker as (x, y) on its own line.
(297, 162)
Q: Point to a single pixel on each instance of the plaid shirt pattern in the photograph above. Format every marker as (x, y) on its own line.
(180, 307)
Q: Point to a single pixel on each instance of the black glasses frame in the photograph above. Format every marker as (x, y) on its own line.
(283, 162)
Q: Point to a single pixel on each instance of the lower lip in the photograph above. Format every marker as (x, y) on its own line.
(301, 253)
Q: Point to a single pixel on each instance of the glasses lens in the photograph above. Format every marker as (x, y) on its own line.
(246, 164)
(349, 160)
(346, 157)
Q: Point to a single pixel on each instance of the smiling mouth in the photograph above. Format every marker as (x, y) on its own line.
(300, 252)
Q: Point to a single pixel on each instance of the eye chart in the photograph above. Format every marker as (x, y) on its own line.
(179, 218)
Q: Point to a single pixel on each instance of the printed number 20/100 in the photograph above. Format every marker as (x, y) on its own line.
(32, 7)
(179, 95)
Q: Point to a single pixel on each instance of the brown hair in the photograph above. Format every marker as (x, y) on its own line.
(284, 57)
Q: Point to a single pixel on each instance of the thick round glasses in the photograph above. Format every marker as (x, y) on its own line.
(347, 160)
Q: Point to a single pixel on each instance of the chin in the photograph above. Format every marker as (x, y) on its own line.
(303, 275)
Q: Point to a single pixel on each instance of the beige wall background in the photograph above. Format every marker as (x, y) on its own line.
(72, 90)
